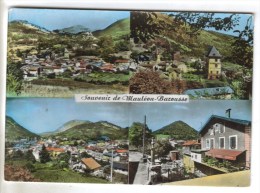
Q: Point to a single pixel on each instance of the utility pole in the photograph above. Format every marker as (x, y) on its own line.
(144, 130)
(152, 151)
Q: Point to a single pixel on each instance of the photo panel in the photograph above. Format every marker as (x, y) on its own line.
(60, 140)
(200, 143)
(63, 52)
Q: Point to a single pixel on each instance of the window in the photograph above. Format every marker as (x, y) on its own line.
(233, 142)
(222, 129)
(211, 131)
(216, 126)
(216, 65)
(217, 72)
(196, 157)
(207, 143)
(216, 60)
(222, 143)
(211, 143)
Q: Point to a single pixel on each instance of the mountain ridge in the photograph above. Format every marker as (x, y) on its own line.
(178, 130)
(14, 131)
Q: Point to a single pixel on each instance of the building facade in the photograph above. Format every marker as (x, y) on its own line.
(213, 63)
(227, 139)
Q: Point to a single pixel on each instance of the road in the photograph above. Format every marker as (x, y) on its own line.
(141, 176)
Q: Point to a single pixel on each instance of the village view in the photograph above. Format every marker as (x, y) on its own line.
(119, 59)
(206, 56)
(102, 152)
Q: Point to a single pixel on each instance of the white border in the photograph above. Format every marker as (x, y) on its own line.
(250, 6)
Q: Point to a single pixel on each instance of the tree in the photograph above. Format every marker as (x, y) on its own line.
(44, 155)
(85, 155)
(148, 25)
(162, 148)
(63, 160)
(122, 46)
(14, 78)
(18, 154)
(136, 134)
(29, 156)
(106, 46)
(148, 82)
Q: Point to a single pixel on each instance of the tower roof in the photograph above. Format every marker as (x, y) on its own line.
(213, 52)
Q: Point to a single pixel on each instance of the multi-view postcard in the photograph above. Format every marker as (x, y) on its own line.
(55, 54)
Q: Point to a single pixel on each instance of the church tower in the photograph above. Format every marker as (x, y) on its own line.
(213, 63)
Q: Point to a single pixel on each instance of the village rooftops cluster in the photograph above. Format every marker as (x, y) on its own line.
(103, 150)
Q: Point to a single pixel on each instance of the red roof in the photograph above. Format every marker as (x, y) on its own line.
(121, 61)
(190, 143)
(224, 154)
(121, 151)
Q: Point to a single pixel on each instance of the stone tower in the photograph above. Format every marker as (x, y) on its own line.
(213, 63)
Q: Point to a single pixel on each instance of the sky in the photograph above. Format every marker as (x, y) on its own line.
(52, 19)
(48, 114)
(61, 18)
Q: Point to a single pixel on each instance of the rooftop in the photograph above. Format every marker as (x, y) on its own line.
(213, 52)
(237, 121)
(224, 154)
(91, 163)
(209, 91)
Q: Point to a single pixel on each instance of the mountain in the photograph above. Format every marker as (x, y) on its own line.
(70, 124)
(21, 32)
(76, 29)
(115, 30)
(14, 131)
(27, 27)
(178, 130)
(87, 130)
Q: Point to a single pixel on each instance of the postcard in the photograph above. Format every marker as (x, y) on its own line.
(129, 97)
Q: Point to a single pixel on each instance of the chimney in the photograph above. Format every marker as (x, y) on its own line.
(228, 113)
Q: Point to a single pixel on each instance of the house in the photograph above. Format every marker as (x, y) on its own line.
(90, 164)
(224, 141)
(54, 151)
(119, 62)
(174, 155)
(122, 152)
(189, 145)
(228, 139)
(217, 92)
(213, 63)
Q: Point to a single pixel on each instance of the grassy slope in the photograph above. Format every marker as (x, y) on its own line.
(221, 41)
(48, 173)
(117, 29)
(91, 130)
(55, 175)
(15, 131)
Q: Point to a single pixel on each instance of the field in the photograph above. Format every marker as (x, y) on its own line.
(49, 173)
